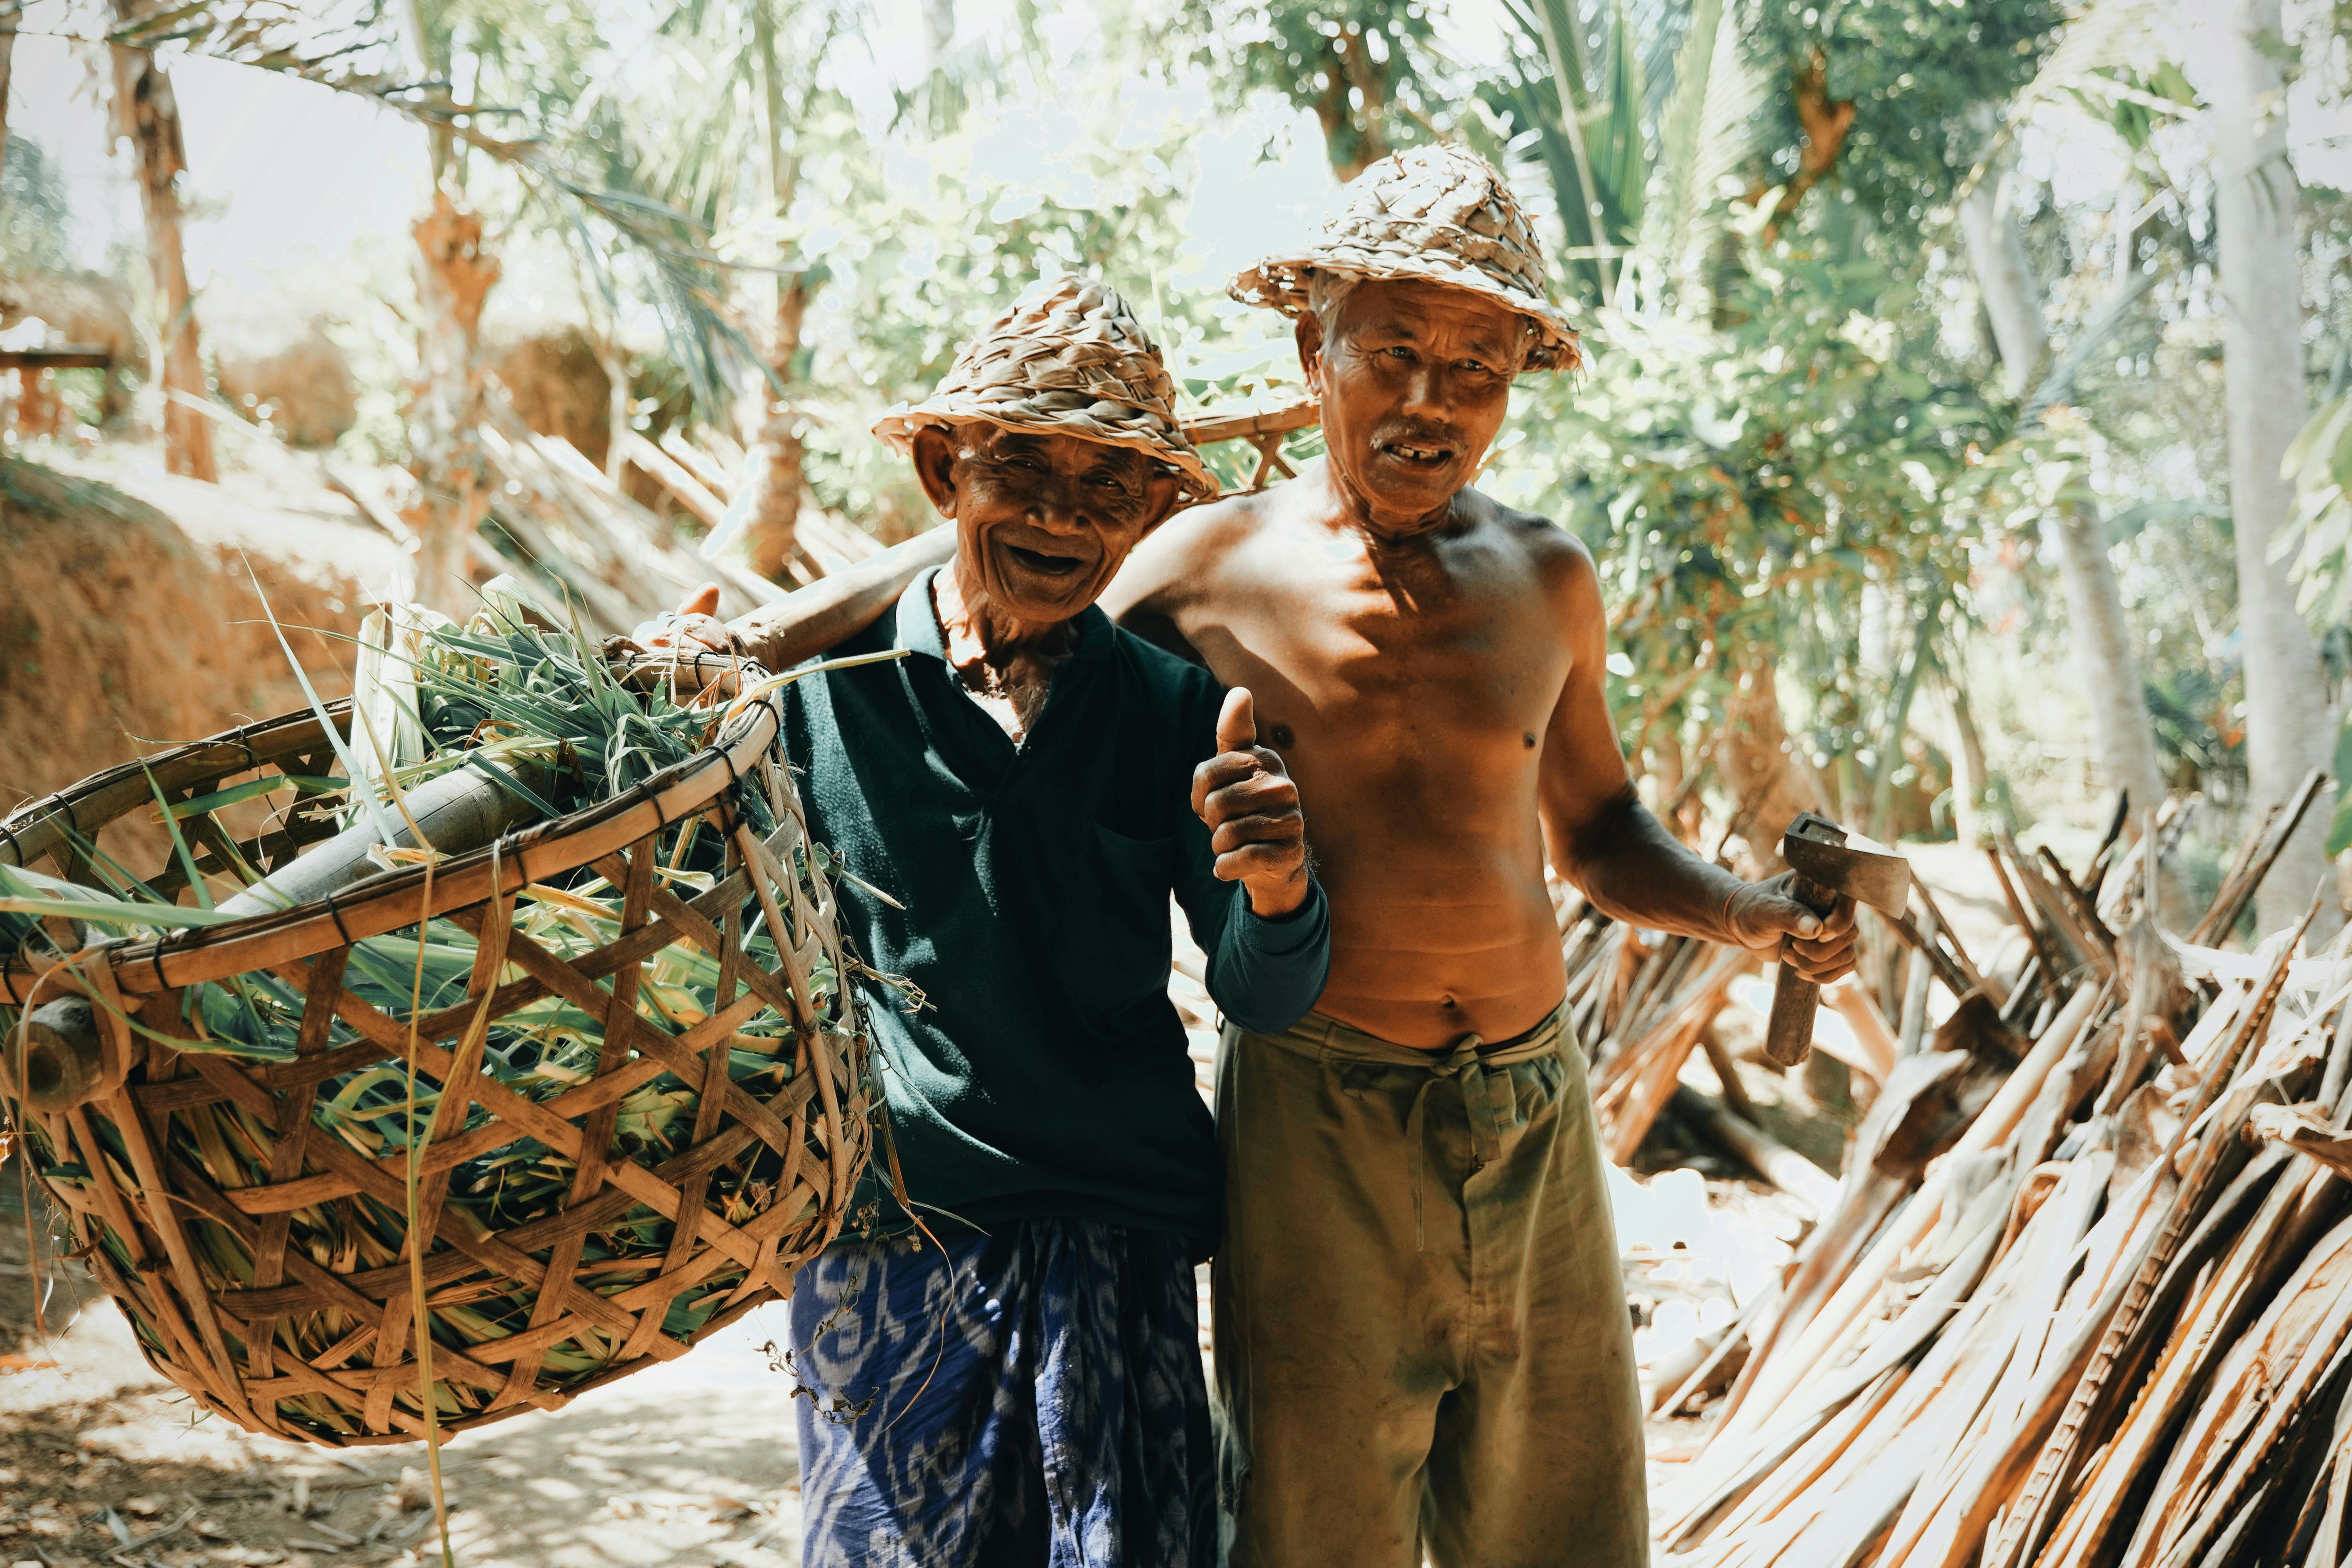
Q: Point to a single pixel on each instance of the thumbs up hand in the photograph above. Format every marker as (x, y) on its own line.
(1256, 828)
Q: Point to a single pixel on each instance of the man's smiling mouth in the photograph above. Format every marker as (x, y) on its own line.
(1413, 452)
(1045, 565)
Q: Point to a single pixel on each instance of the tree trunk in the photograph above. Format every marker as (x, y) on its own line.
(773, 466)
(2123, 739)
(144, 111)
(454, 276)
(2288, 727)
(2123, 742)
(1353, 105)
(1753, 758)
(8, 50)
(1970, 777)
(2005, 281)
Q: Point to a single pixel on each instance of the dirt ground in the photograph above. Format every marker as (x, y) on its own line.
(688, 1463)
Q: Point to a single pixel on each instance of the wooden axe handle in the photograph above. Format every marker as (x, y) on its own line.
(1789, 1038)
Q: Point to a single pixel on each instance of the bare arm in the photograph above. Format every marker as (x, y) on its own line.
(1606, 842)
(801, 625)
(813, 620)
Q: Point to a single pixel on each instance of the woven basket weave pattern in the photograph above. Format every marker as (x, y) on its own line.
(1437, 215)
(199, 1255)
(1068, 358)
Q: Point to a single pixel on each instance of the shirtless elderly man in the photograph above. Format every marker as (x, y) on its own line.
(1422, 1338)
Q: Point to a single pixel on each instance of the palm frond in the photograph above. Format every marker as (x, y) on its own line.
(2106, 35)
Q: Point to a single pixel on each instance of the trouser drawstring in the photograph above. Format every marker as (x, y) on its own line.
(1463, 1065)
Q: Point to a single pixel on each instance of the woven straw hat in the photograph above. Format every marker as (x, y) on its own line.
(1069, 358)
(1438, 214)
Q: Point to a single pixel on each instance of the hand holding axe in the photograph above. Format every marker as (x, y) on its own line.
(1825, 865)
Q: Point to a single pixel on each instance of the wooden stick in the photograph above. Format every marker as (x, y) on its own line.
(2023, 923)
(1852, 1003)
(2053, 908)
(1991, 1128)
(2223, 918)
(1957, 980)
(1735, 1090)
(673, 477)
(1774, 1161)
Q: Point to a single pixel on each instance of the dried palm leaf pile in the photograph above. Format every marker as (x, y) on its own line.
(2081, 1299)
(590, 1089)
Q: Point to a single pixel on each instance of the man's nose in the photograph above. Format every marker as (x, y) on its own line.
(1060, 506)
(1424, 390)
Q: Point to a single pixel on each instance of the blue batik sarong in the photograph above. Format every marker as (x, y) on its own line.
(1028, 1399)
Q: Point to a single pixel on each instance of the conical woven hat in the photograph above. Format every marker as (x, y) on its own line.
(1069, 358)
(1441, 215)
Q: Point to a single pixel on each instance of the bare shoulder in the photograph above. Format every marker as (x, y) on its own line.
(1181, 558)
(1561, 566)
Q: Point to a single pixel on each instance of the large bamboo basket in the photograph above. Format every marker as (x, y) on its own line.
(193, 1239)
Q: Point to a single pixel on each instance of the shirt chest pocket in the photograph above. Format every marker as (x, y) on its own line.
(1137, 872)
(1112, 957)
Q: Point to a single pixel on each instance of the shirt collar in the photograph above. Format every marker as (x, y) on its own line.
(918, 629)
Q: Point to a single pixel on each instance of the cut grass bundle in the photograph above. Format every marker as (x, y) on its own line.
(640, 1096)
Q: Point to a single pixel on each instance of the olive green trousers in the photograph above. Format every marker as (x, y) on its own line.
(1421, 1336)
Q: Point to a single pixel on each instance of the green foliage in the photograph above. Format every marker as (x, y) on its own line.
(1746, 489)
(32, 213)
(1613, 106)
(1362, 66)
(1782, 448)
(1918, 75)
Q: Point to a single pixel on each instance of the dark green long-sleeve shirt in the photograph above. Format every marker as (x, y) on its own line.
(1047, 1075)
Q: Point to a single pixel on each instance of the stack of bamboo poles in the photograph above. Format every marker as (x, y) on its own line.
(621, 560)
(707, 477)
(1646, 1009)
(2080, 1299)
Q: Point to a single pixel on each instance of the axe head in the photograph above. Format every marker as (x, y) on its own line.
(1819, 850)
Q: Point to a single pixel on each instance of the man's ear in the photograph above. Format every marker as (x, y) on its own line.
(935, 459)
(1309, 336)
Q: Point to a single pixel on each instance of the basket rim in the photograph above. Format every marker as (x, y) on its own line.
(389, 900)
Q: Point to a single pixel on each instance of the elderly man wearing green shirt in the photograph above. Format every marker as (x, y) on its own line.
(1030, 784)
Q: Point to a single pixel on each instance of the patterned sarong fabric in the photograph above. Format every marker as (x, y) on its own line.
(1032, 1396)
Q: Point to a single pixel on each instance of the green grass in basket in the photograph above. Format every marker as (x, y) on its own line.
(502, 691)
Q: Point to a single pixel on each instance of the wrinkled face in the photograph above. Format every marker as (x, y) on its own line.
(1415, 379)
(1043, 522)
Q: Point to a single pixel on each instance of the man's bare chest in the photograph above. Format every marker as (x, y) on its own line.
(1344, 660)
